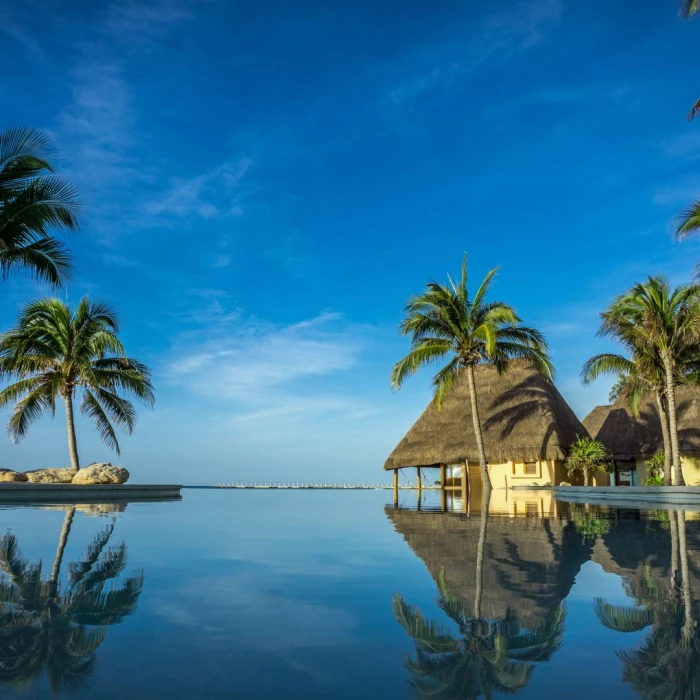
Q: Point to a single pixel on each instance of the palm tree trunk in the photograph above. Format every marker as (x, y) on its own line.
(673, 522)
(485, 499)
(672, 421)
(485, 479)
(689, 625)
(72, 442)
(585, 477)
(663, 417)
(62, 541)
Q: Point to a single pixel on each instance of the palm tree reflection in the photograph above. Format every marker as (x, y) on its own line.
(54, 627)
(667, 663)
(486, 656)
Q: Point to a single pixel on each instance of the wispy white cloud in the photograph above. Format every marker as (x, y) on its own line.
(218, 192)
(678, 194)
(249, 360)
(683, 147)
(509, 31)
(294, 372)
(12, 28)
(144, 20)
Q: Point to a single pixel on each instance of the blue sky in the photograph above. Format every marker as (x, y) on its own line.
(265, 183)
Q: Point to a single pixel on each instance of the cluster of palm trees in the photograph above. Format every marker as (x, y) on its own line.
(658, 326)
(56, 352)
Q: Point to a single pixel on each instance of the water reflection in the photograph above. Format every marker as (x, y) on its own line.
(667, 663)
(502, 583)
(52, 624)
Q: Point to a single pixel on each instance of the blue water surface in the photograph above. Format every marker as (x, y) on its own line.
(303, 594)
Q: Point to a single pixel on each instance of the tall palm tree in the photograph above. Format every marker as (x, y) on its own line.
(52, 627)
(445, 323)
(56, 351)
(655, 320)
(34, 204)
(637, 377)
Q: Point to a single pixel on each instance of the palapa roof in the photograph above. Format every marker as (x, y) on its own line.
(628, 438)
(523, 417)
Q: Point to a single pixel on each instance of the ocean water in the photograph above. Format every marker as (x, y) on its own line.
(263, 594)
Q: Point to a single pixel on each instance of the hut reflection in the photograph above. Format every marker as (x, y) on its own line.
(53, 623)
(500, 589)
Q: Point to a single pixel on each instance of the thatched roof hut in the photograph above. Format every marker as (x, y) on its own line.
(629, 438)
(523, 417)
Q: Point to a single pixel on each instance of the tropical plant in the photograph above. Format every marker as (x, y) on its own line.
(445, 323)
(586, 456)
(589, 524)
(34, 204)
(485, 657)
(54, 628)
(55, 351)
(655, 465)
(658, 321)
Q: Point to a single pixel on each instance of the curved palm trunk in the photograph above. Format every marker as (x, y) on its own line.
(485, 479)
(673, 522)
(689, 626)
(62, 541)
(663, 418)
(672, 421)
(485, 499)
(72, 442)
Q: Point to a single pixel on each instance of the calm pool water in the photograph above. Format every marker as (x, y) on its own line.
(339, 595)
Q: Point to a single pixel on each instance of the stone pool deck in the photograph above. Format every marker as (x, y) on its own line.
(631, 496)
(78, 493)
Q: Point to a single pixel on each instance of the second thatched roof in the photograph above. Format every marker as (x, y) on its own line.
(627, 437)
(523, 418)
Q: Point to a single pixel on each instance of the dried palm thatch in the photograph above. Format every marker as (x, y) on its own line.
(523, 417)
(627, 437)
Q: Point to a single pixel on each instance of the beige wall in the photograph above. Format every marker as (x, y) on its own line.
(553, 472)
(690, 466)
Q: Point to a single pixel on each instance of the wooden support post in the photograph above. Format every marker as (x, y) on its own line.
(419, 484)
(465, 488)
(396, 487)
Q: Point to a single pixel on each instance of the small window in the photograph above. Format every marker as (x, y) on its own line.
(530, 469)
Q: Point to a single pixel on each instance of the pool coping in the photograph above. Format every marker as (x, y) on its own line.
(82, 493)
(644, 496)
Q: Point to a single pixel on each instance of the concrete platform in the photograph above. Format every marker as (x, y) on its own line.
(78, 493)
(631, 496)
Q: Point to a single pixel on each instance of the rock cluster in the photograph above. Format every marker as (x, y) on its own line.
(96, 473)
(101, 473)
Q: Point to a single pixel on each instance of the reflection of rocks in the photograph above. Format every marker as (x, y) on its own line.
(101, 473)
(51, 476)
(8, 475)
(91, 509)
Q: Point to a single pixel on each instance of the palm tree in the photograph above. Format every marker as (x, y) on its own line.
(635, 379)
(444, 322)
(48, 627)
(688, 9)
(585, 456)
(55, 351)
(34, 203)
(655, 320)
(486, 657)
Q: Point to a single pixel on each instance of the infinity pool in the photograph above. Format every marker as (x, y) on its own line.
(262, 594)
